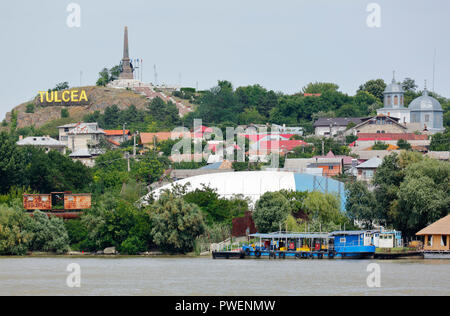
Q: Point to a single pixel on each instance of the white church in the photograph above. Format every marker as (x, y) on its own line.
(425, 110)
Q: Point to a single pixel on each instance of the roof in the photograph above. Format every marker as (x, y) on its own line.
(394, 120)
(390, 136)
(291, 235)
(113, 142)
(40, 141)
(147, 138)
(369, 154)
(394, 87)
(285, 145)
(349, 232)
(116, 132)
(86, 153)
(68, 125)
(441, 227)
(440, 155)
(337, 121)
(86, 128)
(425, 103)
(372, 163)
(347, 159)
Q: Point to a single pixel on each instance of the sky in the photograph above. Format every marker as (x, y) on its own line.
(282, 45)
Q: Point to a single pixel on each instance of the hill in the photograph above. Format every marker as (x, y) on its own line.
(99, 98)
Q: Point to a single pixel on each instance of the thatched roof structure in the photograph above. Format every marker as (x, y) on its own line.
(441, 227)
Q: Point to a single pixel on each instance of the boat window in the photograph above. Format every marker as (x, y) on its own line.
(30, 198)
(444, 240)
(342, 240)
(44, 199)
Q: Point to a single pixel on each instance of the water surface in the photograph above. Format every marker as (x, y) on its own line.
(204, 276)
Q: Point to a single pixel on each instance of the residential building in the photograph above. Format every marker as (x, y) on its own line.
(329, 127)
(327, 167)
(149, 140)
(45, 142)
(366, 170)
(380, 124)
(86, 156)
(80, 136)
(117, 137)
(297, 130)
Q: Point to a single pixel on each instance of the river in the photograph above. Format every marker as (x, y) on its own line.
(204, 276)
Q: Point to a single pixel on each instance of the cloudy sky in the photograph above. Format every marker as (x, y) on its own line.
(281, 45)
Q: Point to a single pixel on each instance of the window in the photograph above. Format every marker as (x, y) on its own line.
(44, 199)
(396, 100)
(30, 199)
(430, 241)
(368, 174)
(444, 240)
(342, 240)
(70, 198)
(66, 129)
(427, 117)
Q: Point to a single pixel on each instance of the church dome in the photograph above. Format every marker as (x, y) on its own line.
(425, 103)
(394, 87)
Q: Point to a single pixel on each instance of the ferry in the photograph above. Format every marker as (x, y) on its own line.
(285, 245)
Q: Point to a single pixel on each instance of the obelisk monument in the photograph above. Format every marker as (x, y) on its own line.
(126, 70)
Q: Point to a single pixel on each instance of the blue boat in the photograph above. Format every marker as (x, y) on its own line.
(353, 244)
(284, 245)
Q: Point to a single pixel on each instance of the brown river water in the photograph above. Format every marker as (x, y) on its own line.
(204, 276)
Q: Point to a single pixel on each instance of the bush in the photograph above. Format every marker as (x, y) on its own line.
(15, 236)
(64, 113)
(49, 234)
(30, 108)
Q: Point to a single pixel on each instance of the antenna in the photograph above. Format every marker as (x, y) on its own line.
(434, 66)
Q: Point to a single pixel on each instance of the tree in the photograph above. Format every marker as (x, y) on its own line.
(409, 85)
(216, 209)
(375, 87)
(424, 195)
(324, 208)
(320, 87)
(360, 203)
(440, 142)
(61, 86)
(107, 75)
(11, 163)
(175, 224)
(271, 212)
(403, 144)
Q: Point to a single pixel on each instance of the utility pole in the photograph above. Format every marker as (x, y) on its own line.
(323, 147)
(128, 161)
(134, 144)
(123, 132)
